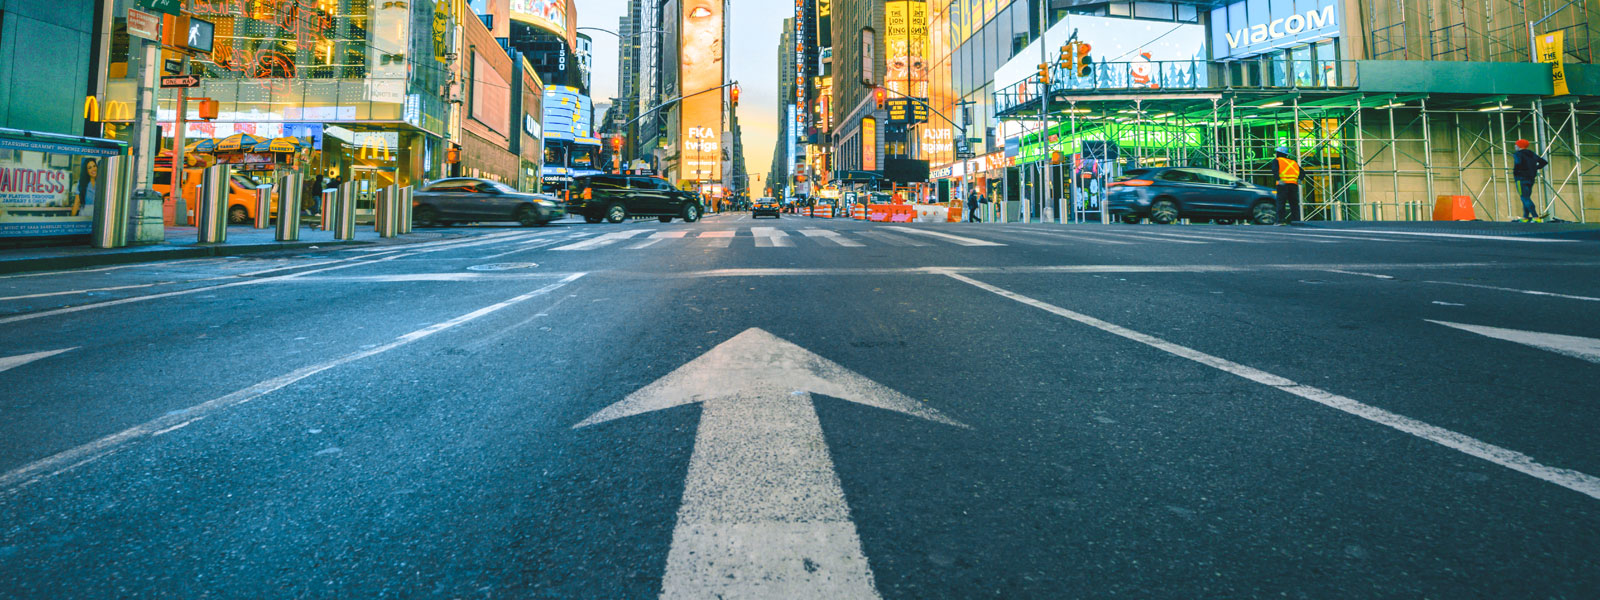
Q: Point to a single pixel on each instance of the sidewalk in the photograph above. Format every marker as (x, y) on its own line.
(182, 243)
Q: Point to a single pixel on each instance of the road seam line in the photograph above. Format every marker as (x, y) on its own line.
(1576, 481)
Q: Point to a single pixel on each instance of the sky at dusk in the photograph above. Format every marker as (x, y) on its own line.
(751, 52)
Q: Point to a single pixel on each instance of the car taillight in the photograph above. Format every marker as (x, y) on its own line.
(1133, 183)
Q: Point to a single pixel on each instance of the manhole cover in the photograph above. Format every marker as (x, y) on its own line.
(503, 266)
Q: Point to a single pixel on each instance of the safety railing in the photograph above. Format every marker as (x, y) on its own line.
(1189, 75)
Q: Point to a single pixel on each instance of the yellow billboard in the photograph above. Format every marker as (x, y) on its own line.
(907, 40)
(700, 70)
(1550, 47)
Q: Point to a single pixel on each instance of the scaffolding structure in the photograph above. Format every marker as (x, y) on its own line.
(1365, 156)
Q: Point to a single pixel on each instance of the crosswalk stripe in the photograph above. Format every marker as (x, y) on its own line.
(832, 236)
(964, 241)
(1077, 235)
(892, 239)
(656, 238)
(768, 237)
(1144, 238)
(602, 241)
(717, 239)
(1203, 238)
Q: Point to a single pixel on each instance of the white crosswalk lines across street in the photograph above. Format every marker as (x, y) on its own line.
(656, 238)
(768, 237)
(892, 239)
(832, 236)
(604, 240)
(717, 239)
(1148, 238)
(956, 239)
(1075, 236)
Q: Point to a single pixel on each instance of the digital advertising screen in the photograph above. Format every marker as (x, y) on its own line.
(700, 69)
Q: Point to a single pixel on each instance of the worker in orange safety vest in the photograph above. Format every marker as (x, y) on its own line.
(1287, 172)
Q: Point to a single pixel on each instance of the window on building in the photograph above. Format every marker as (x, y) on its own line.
(1188, 13)
(1152, 10)
(1119, 9)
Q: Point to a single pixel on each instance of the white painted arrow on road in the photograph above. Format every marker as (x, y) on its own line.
(12, 362)
(763, 513)
(1570, 345)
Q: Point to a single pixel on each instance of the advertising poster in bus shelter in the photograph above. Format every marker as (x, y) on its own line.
(47, 189)
(700, 124)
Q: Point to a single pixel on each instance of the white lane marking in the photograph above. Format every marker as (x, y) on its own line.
(1462, 236)
(955, 239)
(892, 239)
(1443, 303)
(1360, 274)
(599, 242)
(768, 237)
(167, 263)
(655, 238)
(1072, 235)
(85, 291)
(1570, 345)
(1582, 483)
(68, 459)
(1205, 238)
(1515, 290)
(11, 362)
(1145, 238)
(717, 239)
(524, 247)
(415, 277)
(362, 260)
(832, 236)
(1299, 234)
(763, 513)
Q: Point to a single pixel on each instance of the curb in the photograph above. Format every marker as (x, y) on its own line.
(52, 263)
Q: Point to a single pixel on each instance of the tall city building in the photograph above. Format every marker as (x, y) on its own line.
(778, 176)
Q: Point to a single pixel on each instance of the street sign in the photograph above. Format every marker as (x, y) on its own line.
(760, 476)
(172, 66)
(180, 81)
(163, 6)
(144, 25)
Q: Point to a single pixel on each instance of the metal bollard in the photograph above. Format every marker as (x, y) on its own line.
(330, 201)
(405, 209)
(344, 222)
(110, 203)
(213, 221)
(387, 203)
(289, 207)
(263, 206)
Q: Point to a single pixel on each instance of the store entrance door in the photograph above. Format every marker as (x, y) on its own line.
(368, 181)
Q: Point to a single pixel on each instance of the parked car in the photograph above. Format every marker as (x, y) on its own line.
(466, 199)
(241, 193)
(1167, 194)
(614, 198)
(765, 206)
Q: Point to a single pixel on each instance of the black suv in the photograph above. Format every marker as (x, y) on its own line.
(614, 198)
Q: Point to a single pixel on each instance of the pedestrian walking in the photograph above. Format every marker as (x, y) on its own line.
(1287, 172)
(974, 200)
(1525, 170)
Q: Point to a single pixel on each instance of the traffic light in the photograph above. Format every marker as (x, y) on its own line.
(1084, 61)
(1065, 61)
(733, 95)
(879, 96)
(616, 143)
(1044, 73)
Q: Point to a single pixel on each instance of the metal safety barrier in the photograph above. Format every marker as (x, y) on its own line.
(344, 221)
(110, 203)
(330, 199)
(213, 220)
(289, 207)
(263, 206)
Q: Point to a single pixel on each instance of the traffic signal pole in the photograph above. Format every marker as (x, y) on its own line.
(1044, 118)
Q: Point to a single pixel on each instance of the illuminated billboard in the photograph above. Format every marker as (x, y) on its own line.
(566, 113)
(552, 15)
(906, 63)
(700, 69)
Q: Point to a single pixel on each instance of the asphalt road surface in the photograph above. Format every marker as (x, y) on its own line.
(812, 408)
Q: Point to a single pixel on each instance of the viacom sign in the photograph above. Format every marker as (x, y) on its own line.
(1257, 26)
